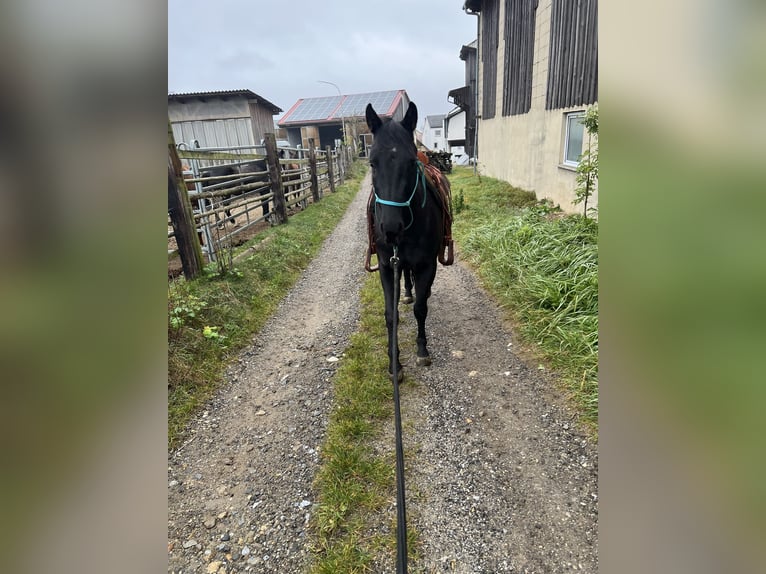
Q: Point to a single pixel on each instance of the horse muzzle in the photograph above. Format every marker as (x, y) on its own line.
(392, 232)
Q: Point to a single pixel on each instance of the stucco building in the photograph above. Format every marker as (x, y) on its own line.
(537, 72)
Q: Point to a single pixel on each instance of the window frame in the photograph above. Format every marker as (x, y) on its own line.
(567, 122)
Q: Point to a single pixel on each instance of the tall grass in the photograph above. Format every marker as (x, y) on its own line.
(212, 318)
(542, 267)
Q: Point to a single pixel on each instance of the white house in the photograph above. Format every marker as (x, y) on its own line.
(455, 133)
(433, 133)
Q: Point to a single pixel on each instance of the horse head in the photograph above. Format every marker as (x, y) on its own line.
(395, 172)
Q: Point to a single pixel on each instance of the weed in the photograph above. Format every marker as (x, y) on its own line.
(183, 309)
(458, 202)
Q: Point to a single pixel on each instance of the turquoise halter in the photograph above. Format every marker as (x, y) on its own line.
(420, 176)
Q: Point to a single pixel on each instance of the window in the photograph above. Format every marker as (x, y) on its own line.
(437, 133)
(573, 137)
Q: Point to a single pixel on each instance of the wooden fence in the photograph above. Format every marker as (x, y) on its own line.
(231, 191)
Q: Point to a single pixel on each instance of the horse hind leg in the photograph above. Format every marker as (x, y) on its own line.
(423, 284)
(407, 299)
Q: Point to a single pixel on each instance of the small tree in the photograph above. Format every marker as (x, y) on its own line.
(587, 169)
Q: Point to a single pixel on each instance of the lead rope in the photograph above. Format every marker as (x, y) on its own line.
(401, 514)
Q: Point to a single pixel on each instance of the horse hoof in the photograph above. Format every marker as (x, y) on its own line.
(424, 361)
(407, 300)
(399, 375)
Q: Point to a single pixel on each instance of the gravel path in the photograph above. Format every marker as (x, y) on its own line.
(499, 479)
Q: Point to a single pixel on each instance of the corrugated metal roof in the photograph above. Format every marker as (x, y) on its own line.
(223, 94)
(333, 108)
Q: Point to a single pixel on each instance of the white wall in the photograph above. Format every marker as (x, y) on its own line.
(456, 127)
(433, 141)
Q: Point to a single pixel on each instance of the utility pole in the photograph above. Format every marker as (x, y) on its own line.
(342, 117)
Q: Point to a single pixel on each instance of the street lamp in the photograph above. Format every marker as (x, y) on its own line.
(342, 118)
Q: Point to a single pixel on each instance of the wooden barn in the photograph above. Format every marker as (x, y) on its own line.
(323, 118)
(536, 73)
(221, 119)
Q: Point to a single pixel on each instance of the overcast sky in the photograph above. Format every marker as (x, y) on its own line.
(279, 49)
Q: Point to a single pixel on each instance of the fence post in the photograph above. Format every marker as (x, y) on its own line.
(275, 177)
(180, 211)
(330, 169)
(345, 160)
(313, 171)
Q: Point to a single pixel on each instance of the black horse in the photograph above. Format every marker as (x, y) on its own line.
(235, 170)
(407, 216)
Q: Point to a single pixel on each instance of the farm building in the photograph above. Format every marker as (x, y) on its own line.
(323, 118)
(465, 98)
(537, 73)
(433, 133)
(455, 134)
(221, 119)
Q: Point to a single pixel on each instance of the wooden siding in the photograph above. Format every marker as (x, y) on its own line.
(262, 122)
(573, 55)
(490, 21)
(519, 36)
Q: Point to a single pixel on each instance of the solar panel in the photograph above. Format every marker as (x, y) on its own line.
(318, 109)
(315, 109)
(355, 104)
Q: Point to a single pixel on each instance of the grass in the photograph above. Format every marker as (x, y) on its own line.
(355, 483)
(210, 319)
(542, 267)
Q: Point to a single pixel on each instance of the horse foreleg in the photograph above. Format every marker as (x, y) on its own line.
(423, 281)
(387, 281)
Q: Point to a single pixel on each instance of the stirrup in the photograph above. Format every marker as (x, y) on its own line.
(368, 262)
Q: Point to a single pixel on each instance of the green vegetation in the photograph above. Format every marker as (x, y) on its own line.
(355, 484)
(212, 318)
(587, 170)
(542, 267)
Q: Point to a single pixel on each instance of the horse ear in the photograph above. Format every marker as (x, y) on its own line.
(373, 120)
(410, 118)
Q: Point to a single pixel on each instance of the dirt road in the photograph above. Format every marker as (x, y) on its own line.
(499, 479)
